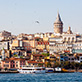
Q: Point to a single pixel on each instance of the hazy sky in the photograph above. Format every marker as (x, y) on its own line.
(20, 16)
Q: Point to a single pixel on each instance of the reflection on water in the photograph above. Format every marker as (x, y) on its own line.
(48, 77)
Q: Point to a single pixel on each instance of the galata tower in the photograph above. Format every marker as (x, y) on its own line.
(58, 25)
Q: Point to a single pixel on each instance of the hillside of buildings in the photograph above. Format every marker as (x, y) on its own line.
(58, 49)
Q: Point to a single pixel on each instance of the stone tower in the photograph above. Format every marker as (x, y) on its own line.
(69, 31)
(58, 25)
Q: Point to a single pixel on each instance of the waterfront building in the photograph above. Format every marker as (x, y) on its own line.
(12, 63)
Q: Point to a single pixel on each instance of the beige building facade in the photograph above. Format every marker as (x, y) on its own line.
(64, 41)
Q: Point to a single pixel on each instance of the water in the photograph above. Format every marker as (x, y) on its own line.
(49, 77)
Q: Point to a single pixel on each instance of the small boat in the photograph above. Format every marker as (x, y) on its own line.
(58, 69)
(31, 69)
(49, 70)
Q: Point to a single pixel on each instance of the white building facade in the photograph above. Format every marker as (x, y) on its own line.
(64, 41)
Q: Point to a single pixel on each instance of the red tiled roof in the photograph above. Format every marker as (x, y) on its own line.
(41, 50)
(44, 43)
(34, 62)
(9, 59)
(38, 55)
(66, 51)
(37, 38)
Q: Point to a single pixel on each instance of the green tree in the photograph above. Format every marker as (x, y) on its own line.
(57, 64)
(66, 64)
(37, 39)
(40, 64)
(48, 64)
(15, 55)
(80, 65)
(75, 65)
(45, 54)
(21, 56)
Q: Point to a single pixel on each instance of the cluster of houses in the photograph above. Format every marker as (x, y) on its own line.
(42, 49)
(24, 49)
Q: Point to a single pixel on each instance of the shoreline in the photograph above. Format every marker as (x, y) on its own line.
(69, 71)
(62, 71)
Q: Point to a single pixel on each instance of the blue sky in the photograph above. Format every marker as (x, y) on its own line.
(19, 16)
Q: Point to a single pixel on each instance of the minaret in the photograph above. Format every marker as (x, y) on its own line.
(58, 25)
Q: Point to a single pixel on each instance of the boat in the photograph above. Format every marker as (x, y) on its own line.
(49, 70)
(31, 69)
(58, 69)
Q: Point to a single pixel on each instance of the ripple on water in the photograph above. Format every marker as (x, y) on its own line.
(48, 77)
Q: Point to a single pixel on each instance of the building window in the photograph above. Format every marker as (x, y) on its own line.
(72, 58)
(68, 39)
(16, 65)
(6, 65)
(4, 43)
(29, 64)
(6, 61)
(64, 39)
(16, 61)
(73, 39)
(15, 42)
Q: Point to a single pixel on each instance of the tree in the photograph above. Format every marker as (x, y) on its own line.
(48, 64)
(15, 55)
(45, 54)
(57, 64)
(80, 65)
(40, 64)
(37, 39)
(75, 65)
(21, 56)
(66, 64)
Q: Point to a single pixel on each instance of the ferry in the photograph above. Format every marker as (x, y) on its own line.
(31, 69)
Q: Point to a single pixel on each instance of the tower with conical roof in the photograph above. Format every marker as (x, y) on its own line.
(58, 25)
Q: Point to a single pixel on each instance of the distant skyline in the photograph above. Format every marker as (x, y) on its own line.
(20, 16)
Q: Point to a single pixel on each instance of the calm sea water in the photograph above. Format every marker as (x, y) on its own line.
(49, 77)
